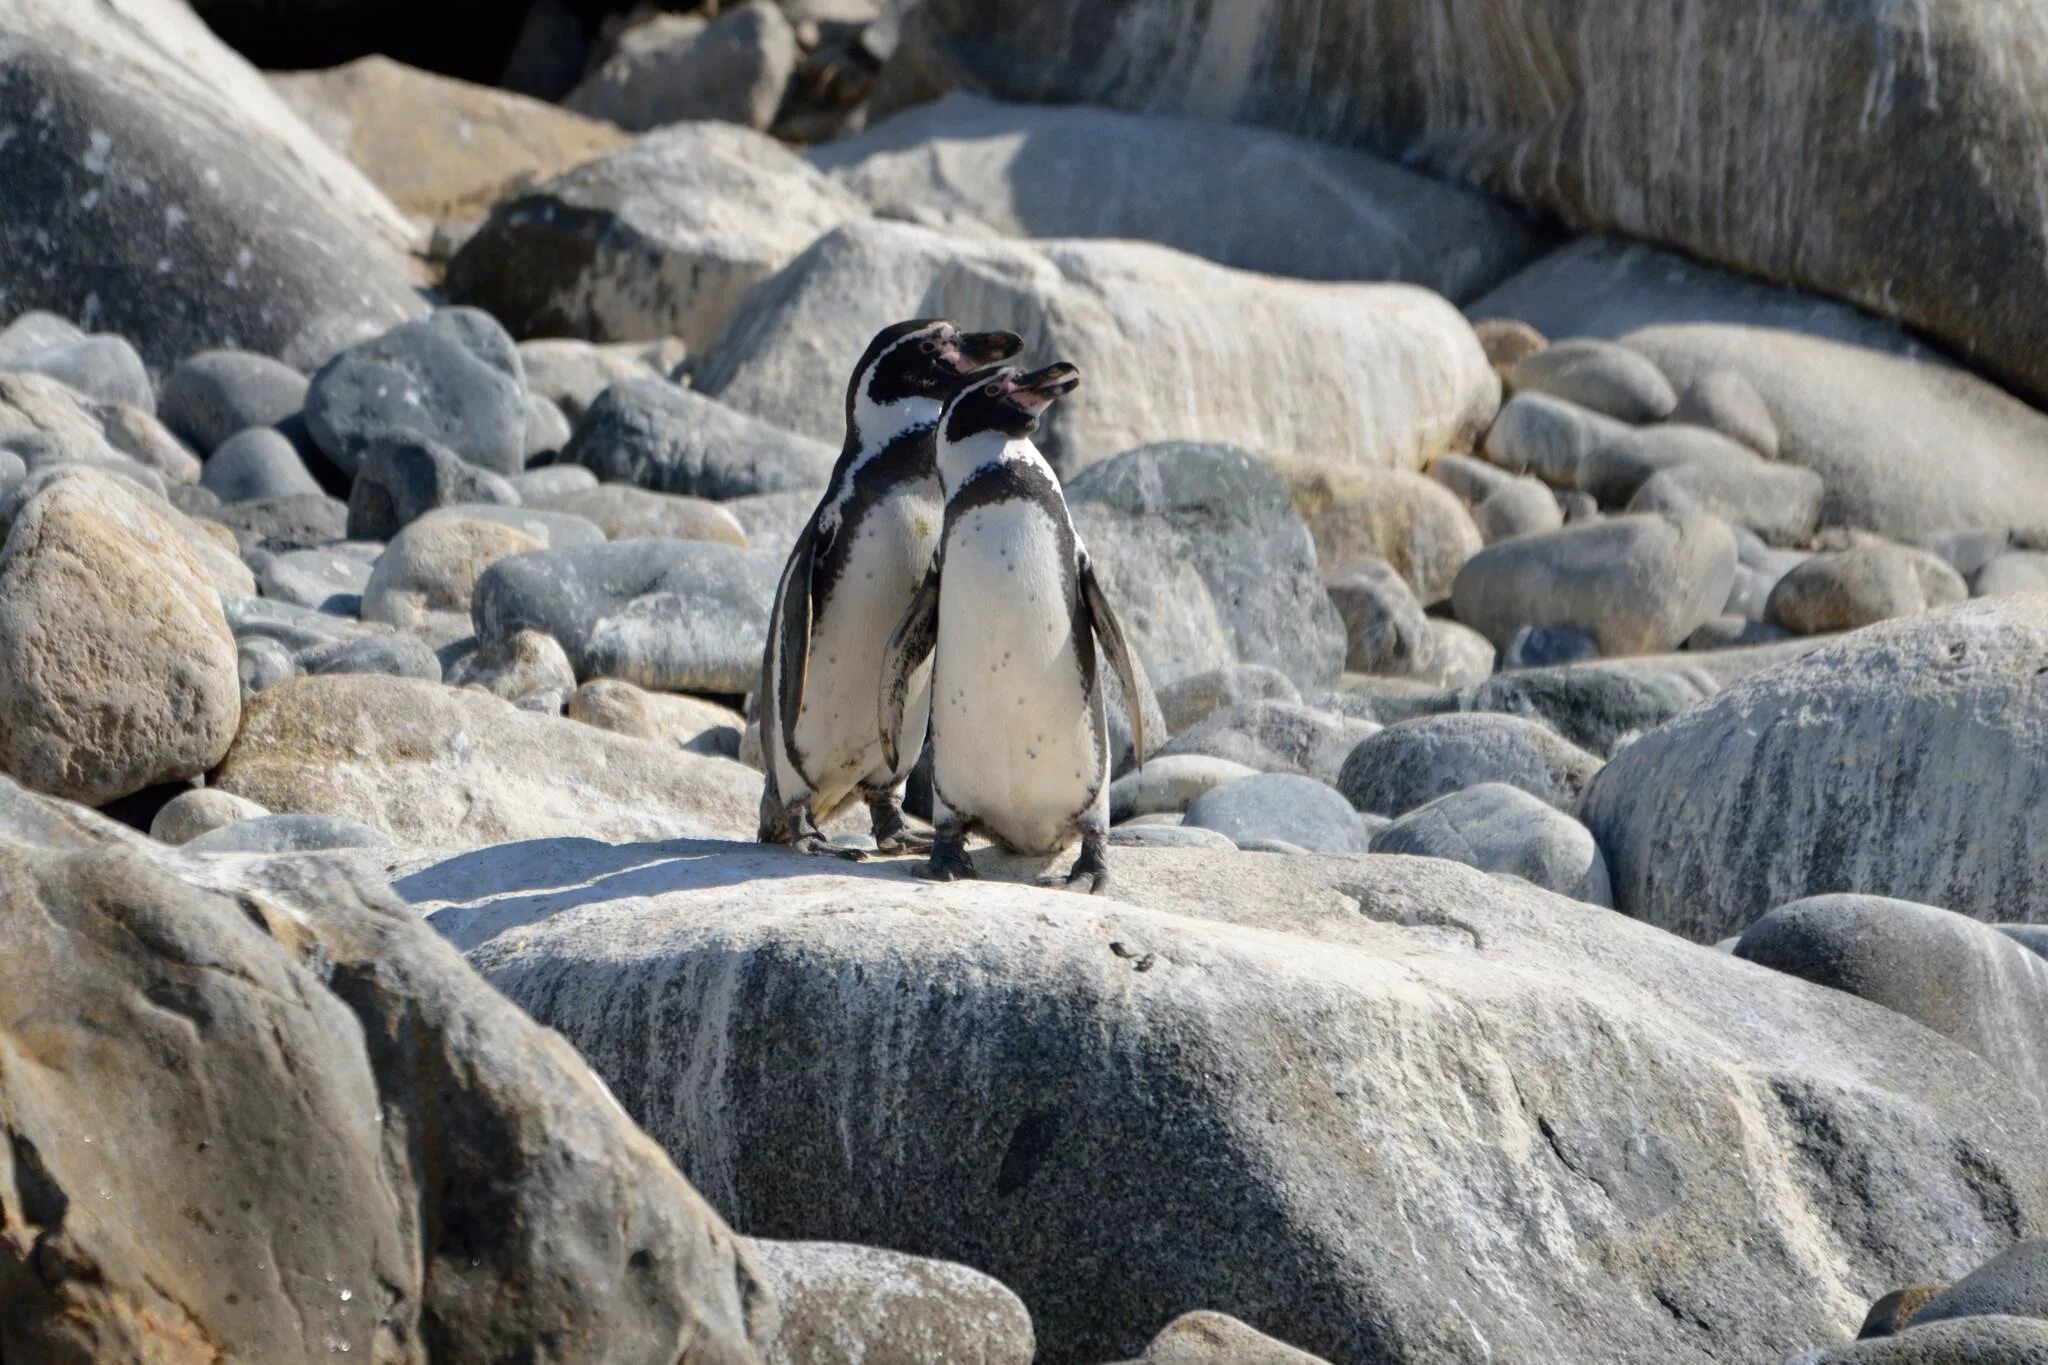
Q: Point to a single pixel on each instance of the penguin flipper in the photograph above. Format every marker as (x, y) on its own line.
(793, 615)
(1109, 632)
(909, 645)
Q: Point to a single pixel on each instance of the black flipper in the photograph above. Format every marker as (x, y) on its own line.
(1109, 632)
(794, 603)
(909, 645)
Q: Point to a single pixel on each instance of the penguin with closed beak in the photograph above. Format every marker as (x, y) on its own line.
(1010, 616)
(857, 563)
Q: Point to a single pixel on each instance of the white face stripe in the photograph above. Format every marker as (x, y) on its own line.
(879, 424)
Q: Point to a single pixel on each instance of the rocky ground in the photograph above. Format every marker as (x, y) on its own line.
(1587, 895)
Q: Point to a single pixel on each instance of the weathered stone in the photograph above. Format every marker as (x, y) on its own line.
(1993, 1340)
(402, 478)
(653, 434)
(260, 662)
(1522, 507)
(426, 580)
(452, 767)
(291, 522)
(1780, 502)
(1498, 828)
(571, 374)
(1208, 1338)
(288, 834)
(323, 579)
(1599, 376)
(2013, 1283)
(547, 429)
(1323, 212)
(187, 816)
(1599, 707)
(1904, 760)
(394, 654)
(1862, 586)
(453, 379)
(1303, 811)
(120, 668)
(1166, 343)
(529, 670)
(1894, 1311)
(1169, 783)
(1409, 521)
(1730, 404)
(676, 68)
(842, 1303)
(1276, 737)
(1613, 471)
(555, 530)
(1548, 437)
(1384, 628)
(1548, 646)
(1414, 762)
(103, 368)
(625, 512)
(660, 238)
(257, 463)
(2014, 571)
(1187, 701)
(1473, 480)
(211, 396)
(1637, 584)
(687, 722)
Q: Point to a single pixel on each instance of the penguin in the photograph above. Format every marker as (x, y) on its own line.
(1011, 615)
(858, 561)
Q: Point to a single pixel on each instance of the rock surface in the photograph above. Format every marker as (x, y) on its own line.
(1416, 761)
(1862, 586)
(1302, 811)
(453, 378)
(1498, 828)
(1396, 515)
(1275, 737)
(1903, 760)
(651, 433)
(1206, 1338)
(402, 478)
(678, 68)
(843, 1303)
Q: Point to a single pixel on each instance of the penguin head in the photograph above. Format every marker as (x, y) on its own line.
(910, 369)
(1007, 400)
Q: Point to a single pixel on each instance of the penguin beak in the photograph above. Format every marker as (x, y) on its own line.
(972, 351)
(1038, 389)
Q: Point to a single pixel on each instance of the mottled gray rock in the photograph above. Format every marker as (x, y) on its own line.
(323, 579)
(1303, 811)
(1209, 1338)
(425, 581)
(105, 368)
(1169, 783)
(1463, 655)
(1384, 628)
(660, 238)
(1519, 507)
(1730, 404)
(287, 834)
(167, 196)
(1904, 760)
(257, 463)
(529, 670)
(1187, 701)
(626, 512)
(1413, 762)
(311, 1083)
(2013, 1283)
(1637, 584)
(1473, 480)
(1275, 737)
(1548, 437)
(1498, 828)
(687, 722)
(1397, 515)
(1169, 344)
(1545, 646)
(1599, 707)
(675, 615)
(1613, 471)
(1861, 586)
(453, 379)
(291, 522)
(294, 627)
(676, 68)
(209, 397)
(1206, 563)
(262, 661)
(402, 478)
(1965, 980)
(650, 433)
(842, 1303)
(200, 811)
(571, 374)
(397, 654)
(1780, 502)
(120, 668)
(2013, 571)
(547, 428)
(1598, 376)
(1989, 1340)
(1324, 212)
(1222, 1022)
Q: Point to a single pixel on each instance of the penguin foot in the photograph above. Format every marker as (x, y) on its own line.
(818, 846)
(904, 841)
(893, 833)
(947, 865)
(1089, 874)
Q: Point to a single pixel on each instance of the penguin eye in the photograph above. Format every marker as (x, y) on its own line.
(927, 345)
(992, 390)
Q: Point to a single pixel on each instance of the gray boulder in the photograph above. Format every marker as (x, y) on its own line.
(1598, 707)
(1612, 472)
(1324, 212)
(1972, 1341)
(547, 428)
(660, 238)
(1729, 404)
(402, 478)
(199, 811)
(2013, 1283)
(257, 463)
(260, 662)
(1276, 737)
(1780, 502)
(1498, 828)
(671, 615)
(1413, 762)
(103, 368)
(1965, 980)
(1169, 784)
(571, 374)
(1206, 563)
(1903, 760)
(291, 521)
(529, 669)
(1636, 584)
(209, 397)
(425, 581)
(1599, 376)
(325, 579)
(1549, 438)
(842, 1303)
(396, 655)
(1519, 507)
(453, 379)
(677, 68)
(1862, 586)
(1396, 515)
(651, 433)
(1303, 811)
(1189, 700)
(1384, 628)
(625, 512)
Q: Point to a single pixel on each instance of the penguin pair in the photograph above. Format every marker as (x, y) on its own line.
(943, 520)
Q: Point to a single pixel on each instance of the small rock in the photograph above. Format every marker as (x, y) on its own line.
(1169, 783)
(291, 522)
(1414, 762)
(1967, 551)
(452, 379)
(1520, 507)
(1498, 828)
(1474, 481)
(261, 662)
(652, 434)
(850, 1303)
(2013, 571)
(625, 512)
(399, 655)
(1276, 737)
(1614, 471)
(529, 670)
(105, 368)
(323, 579)
(258, 462)
(1302, 811)
(426, 580)
(211, 396)
(1637, 584)
(1411, 522)
(1186, 702)
(537, 485)
(1507, 342)
(296, 628)
(2013, 1283)
(1893, 1312)
(1548, 437)
(190, 814)
(1543, 646)
(669, 718)
(1598, 375)
(677, 68)
(1780, 502)
(1463, 655)
(1730, 404)
(1860, 587)
(1737, 629)
(401, 478)
(288, 834)
(547, 429)
(1384, 627)
(572, 374)
(1600, 708)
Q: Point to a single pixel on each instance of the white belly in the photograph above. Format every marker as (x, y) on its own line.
(838, 731)
(1013, 732)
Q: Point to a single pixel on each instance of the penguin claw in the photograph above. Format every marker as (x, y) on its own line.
(941, 869)
(904, 841)
(818, 846)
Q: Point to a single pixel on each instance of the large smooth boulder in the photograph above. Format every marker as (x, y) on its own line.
(674, 68)
(1206, 564)
(168, 196)
(1321, 212)
(438, 147)
(255, 1110)
(1169, 346)
(1413, 762)
(1637, 584)
(1908, 443)
(1498, 828)
(1965, 980)
(121, 670)
(1928, 214)
(444, 767)
(1234, 1075)
(661, 238)
(1903, 760)
(677, 615)
(654, 434)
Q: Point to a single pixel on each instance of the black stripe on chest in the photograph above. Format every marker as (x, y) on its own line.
(908, 459)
